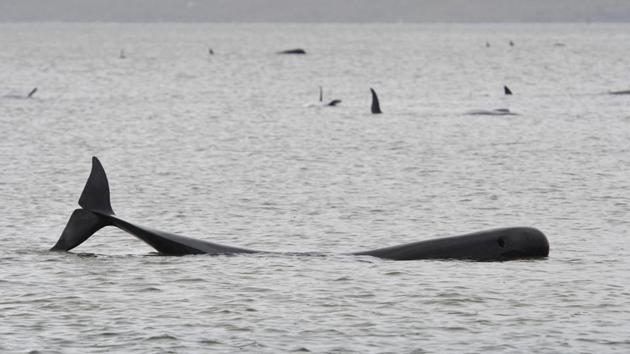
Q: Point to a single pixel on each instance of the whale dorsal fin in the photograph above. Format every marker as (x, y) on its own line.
(333, 103)
(507, 90)
(376, 107)
(95, 196)
(30, 94)
(321, 94)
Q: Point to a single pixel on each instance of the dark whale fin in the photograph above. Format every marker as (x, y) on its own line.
(376, 107)
(80, 227)
(333, 103)
(30, 94)
(321, 94)
(507, 90)
(95, 196)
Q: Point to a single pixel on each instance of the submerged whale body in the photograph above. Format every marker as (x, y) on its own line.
(331, 103)
(623, 92)
(29, 95)
(493, 112)
(96, 213)
(293, 51)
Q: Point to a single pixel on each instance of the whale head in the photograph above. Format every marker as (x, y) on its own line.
(522, 242)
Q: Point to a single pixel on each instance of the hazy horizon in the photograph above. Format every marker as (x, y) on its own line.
(314, 11)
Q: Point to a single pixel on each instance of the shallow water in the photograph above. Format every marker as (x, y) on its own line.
(227, 148)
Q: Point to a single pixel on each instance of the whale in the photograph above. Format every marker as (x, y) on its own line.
(331, 103)
(492, 112)
(507, 91)
(622, 92)
(29, 95)
(376, 106)
(293, 51)
(502, 244)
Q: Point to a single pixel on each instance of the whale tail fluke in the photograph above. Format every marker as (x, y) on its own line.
(83, 223)
(376, 107)
(507, 90)
(95, 196)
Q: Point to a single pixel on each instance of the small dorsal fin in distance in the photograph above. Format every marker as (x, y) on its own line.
(321, 94)
(30, 94)
(376, 107)
(507, 90)
(333, 103)
(95, 196)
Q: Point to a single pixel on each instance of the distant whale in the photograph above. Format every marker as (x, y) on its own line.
(293, 51)
(376, 107)
(330, 103)
(623, 92)
(493, 112)
(507, 91)
(96, 213)
(29, 95)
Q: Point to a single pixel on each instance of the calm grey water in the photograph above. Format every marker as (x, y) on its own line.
(229, 148)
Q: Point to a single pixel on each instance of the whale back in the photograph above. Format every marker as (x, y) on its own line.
(492, 245)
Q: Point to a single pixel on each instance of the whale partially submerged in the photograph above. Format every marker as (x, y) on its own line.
(96, 212)
(29, 95)
(622, 92)
(376, 106)
(293, 51)
(322, 103)
(491, 112)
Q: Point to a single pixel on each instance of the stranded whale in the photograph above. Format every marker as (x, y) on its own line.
(96, 213)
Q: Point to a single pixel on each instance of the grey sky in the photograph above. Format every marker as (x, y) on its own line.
(317, 10)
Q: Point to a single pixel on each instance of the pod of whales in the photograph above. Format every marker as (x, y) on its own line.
(96, 213)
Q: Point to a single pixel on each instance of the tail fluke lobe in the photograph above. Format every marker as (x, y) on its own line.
(95, 196)
(376, 107)
(80, 227)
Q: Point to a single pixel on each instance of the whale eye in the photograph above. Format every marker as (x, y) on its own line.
(501, 242)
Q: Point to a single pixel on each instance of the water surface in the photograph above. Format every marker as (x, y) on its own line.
(228, 148)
